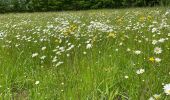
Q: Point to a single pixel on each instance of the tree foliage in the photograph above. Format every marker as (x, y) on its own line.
(55, 5)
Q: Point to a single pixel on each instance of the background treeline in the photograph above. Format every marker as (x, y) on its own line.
(56, 5)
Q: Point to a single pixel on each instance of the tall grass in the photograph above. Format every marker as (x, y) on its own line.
(93, 55)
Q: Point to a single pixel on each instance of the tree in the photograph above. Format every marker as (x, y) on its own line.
(54, 5)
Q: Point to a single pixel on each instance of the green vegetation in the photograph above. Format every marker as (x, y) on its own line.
(58, 5)
(85, 55)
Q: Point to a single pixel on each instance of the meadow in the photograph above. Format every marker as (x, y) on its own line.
(119, 54)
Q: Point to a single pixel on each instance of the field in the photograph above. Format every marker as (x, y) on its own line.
(119, 54)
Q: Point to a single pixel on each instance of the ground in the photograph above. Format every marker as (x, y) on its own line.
(119, 54)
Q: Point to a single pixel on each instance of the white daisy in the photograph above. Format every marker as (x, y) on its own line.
(34, 55)
(89, 46)
(167, 89)
(42, 57)
(168, 34)
(43, 48)
(154, 42)
(54, 59)
(151, 98)
(128, 49)
(84, 53)
(137, 52)
(157, 50)
(154, 30)
(37, 82)
(161, 40)
(68, 55)
(140, 71)
(126, 77)
(59, 63)
(2, 34)
(157, 96)
(157, 60)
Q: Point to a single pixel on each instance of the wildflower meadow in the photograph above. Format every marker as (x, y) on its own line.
(109, 54)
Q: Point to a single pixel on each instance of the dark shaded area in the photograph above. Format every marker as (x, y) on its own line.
(58, 5)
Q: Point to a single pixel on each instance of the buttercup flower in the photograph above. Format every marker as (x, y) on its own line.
(151, 59)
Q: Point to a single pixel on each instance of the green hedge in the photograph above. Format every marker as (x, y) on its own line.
(55, 5)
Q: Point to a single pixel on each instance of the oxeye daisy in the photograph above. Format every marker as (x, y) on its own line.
(1, 34)
(37, 82)
(42, 57)
(34, 55)
(157, 96)
(167, 89)
(137, 52)
(157, 60)
(168, 34)
(89, 46)
(154, 42)
(154, 30)
(128, 49)
(59, 63)
(151, 98)
(161, 40)
(140, 71)
(84, 53)
(43, 48)
(157, 50)
(126, 77)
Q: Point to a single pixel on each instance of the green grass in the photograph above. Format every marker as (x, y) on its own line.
(79, 73)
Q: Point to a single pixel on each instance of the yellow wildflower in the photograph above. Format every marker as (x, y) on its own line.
(94, 39)
(142, 18)
(119, 20)
(149, 17)
(151, 59)
(113, 35)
